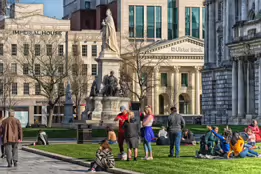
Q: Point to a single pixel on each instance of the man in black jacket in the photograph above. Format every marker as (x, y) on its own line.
(175, 125)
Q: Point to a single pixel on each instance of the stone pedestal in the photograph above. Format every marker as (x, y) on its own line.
(96, 106)
(107, 61)
(68, 106)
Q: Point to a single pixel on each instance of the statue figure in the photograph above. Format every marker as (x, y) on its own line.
(124, 89)
(109, 38)
(94, 90)
(111, 85)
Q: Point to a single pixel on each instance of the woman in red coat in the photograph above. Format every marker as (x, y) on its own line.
(255, 129)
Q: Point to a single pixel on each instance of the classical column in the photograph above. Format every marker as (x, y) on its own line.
(248, 88)
(241, 90)
(259, 78)
(206, 35)
(257, 6)
(212, 33)
(172, 83)
(176, 87)
(198, 90)
(234, 89)
(244, 10)
(193, 101)
(156, 90)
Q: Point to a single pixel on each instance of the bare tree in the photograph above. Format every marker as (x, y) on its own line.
(7, 82)
(79, 77)
(43, 59)
(137, 72)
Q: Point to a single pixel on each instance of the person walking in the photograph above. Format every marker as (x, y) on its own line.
(13, 134)
(122, 117)
(175, 125)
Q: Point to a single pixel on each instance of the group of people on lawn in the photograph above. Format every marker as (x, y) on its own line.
(230, 144)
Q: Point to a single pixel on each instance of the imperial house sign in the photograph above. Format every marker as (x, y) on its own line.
(16, 32)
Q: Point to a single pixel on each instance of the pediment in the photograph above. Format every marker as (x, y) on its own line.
(181, 46)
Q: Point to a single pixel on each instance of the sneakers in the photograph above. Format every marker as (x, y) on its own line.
(150, 158)
(135, 159)
(259, 156)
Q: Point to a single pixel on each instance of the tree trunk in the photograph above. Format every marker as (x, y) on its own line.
(79, 115)
(50, 120)
(142, 105)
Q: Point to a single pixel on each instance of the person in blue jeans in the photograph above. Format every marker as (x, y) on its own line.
(175, 125)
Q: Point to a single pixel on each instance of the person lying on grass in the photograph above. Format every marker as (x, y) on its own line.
(224, 141)
(238, 149)
(104, 158)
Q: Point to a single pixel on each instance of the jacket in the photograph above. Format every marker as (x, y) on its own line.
(238, 147)
(211, 139)
(131, 129)
(223, 143)
(175, 123)
(12, 130)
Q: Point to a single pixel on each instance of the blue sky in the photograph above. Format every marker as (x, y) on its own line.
(51, 7)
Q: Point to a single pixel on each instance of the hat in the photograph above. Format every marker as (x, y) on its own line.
(122, 108)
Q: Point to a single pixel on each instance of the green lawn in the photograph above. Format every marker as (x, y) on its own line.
(161, 163)
(72, 133)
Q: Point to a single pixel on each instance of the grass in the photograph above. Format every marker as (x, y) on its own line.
(72, 133)
(162, 164)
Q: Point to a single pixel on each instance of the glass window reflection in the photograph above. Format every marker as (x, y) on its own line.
(150, 22)
(195, 22)
(139, 21)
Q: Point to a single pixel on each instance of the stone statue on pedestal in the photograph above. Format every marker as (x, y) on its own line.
(94, 90)
(111, 85)
(109, 38)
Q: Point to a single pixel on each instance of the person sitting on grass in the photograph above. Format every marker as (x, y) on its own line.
(112, 138)
(238, 149)
(188, 138)
(162, 137)
(131, 128)
(42, 138)
(104, 158)
(251, 140)
(209, 143)
(224, 141)
(255, 129)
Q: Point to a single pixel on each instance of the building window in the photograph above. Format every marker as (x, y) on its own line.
(84, 69)
(75, 50)
(26, 89)
(25, 69)
(187, 21)
(144, 79)
(158, 22)
(94, 69)
(60, 69)
(1, 88)
(164, 79)
(84, 50)
(14, 50)
(203, 22)
(195, 22)
(220, 49)
(94, 50)
(60, 50)
(37, 69)
(84, 87)
(26, 49)
(173, 18)
(37, 89)
(14, 88)
(150, 21)
(1, 49)
(61, 89)
(220, 11)
(1, 68)
(131, 21)
(37, 49)
(87, 4)
(184, 79)
(75, 69)
(49, 50)
(14, 68)
(139, 21)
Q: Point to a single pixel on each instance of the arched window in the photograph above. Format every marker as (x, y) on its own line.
(184, 104)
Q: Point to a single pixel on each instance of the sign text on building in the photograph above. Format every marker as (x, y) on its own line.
(37, 32)
(186, 50)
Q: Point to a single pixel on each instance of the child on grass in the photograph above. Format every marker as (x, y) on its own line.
(251, 141)
(131, 128)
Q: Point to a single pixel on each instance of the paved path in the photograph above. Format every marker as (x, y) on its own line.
(30, 163)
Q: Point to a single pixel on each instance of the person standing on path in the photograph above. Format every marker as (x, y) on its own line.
(122, 117)
(13, 134)
(1, 135)
(175, 125)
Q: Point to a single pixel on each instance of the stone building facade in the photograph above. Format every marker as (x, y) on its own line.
(231, 93)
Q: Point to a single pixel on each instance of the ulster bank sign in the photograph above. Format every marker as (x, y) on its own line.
(40, 33)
